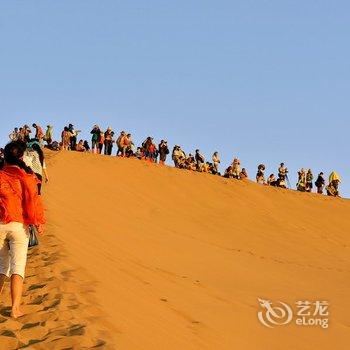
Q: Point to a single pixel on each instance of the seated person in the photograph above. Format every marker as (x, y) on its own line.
(80, 146)
(243, 174)
(271, 180)
(229, 172)
(86, 145)
(206, 167)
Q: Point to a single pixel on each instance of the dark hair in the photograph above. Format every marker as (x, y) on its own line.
(13, 153)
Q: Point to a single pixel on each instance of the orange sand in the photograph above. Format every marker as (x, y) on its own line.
(179, 259)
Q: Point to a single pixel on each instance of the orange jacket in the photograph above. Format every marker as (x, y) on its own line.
(19, 199)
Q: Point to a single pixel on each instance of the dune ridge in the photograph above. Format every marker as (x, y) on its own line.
(177, 259)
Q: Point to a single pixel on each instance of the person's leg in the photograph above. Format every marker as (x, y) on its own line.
(16, 295)
(4, 257)
(18, 239)
(74, 143)
(2, 281)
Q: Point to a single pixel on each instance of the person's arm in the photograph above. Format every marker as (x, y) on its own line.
(45, 171)
(33, 210)
(46, 175)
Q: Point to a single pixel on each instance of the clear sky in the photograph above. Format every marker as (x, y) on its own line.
(268, 81)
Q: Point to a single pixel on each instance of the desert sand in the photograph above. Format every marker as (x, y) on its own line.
(140, 256)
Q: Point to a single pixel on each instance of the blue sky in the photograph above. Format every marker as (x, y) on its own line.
(267, 81)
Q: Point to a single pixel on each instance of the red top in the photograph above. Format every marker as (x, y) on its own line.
(19, 199)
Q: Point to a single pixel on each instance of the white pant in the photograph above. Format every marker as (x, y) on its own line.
(13, 248)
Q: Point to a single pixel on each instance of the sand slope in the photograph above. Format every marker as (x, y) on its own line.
(60, 308)
(179, 259)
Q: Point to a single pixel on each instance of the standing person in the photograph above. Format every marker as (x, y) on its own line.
(125, 144)
(108, 141)
(101, 142)
(282, 171)
(216, 161)
(20, 135)
(199, 160)
(176, 155)
(260, 175)
(301, 185)
(34, 158)
(309, 181)
(26, 133)
(282, 175)
(20, 206)
(74, 136)
(151, 150)
(14, 136)
(119, 143)
(163, 151)
(236, 168)
(130, 147)
(49, 135)
(320, 182)
(96, 132)
(66, 135)
(39, 134)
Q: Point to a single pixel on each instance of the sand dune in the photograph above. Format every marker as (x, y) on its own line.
(178, 260)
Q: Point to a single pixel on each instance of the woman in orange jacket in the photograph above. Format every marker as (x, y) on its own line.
(20, 206)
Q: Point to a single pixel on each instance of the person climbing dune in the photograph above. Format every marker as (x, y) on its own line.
(20, 206)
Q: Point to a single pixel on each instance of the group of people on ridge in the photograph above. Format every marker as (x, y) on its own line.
(103, 142)
(305, 180)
